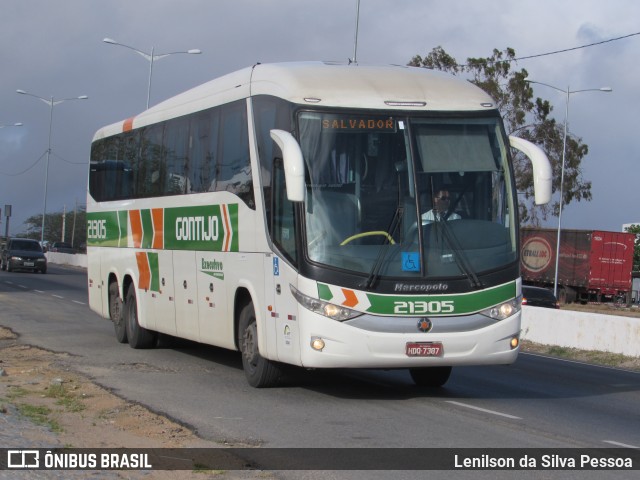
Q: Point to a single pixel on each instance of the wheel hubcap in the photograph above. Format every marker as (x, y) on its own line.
(249, 345)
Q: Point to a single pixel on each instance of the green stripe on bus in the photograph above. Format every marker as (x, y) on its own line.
(324, 292)
(102, 229)
(123, 224)
(208, 227)
(154, 268)
(438, 304)
(147, 229)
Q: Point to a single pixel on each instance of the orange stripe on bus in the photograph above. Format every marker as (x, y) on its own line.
(350, 298)
(227, 228)
(158, 228)
(136, 227)
(127, 125)
(144, 272)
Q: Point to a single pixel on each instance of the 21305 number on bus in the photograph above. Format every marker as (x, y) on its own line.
(422, 307)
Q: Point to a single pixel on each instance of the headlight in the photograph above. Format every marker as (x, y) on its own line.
(504, 310)
(330, 310)
(14, 257)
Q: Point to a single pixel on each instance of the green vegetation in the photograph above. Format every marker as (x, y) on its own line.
(64, 398)
(39, 415)
(595, 357)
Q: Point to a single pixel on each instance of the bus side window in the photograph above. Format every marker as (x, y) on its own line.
(203, 150)
(151, 168)
(234, 164)
(176, 145)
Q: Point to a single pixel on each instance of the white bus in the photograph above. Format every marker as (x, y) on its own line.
(281, 211)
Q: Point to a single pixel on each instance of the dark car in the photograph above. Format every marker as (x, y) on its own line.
(538, 297)
(61, 247)
(23, 254)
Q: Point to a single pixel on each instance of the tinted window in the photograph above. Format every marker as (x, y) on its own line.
(25, 245)
(203, 152)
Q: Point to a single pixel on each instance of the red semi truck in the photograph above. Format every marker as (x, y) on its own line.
(594, 265)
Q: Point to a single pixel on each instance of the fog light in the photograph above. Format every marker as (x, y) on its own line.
(515, 341)
(317, 343)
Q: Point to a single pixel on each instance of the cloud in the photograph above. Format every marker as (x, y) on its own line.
(63, 55)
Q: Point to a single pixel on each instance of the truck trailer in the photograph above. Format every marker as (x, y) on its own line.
(594, 265)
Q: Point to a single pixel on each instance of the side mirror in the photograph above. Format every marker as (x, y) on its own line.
(293, 164)
(542, 173)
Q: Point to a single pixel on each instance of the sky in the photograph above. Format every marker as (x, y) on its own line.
(56, 49)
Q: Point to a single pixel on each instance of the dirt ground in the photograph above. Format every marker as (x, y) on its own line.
(82, 414)
(605, 308)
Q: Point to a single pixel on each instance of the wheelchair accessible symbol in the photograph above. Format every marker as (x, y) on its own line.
(276, 266)
(410, 261)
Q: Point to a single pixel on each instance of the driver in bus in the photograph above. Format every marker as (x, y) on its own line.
(440, 210)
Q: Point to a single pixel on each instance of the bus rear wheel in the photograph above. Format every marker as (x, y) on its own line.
(117, 314)
(139, 337)
(260, 372)
(430, 376)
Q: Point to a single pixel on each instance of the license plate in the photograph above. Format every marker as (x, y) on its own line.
(424, 349)
(29, 264)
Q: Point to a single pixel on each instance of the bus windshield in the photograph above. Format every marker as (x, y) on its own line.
(407, 196)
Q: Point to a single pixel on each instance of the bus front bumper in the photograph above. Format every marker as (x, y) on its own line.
(345, 346)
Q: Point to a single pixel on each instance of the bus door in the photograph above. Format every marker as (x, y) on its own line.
(280, 272)
(215, 327)
(186, 292)
(281, 316)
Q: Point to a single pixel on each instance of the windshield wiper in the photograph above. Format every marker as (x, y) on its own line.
(459, 255)
(382, 251)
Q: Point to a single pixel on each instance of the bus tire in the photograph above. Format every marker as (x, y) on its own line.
(116, 313)
(430, 376)
(260, 372)
(139, 337)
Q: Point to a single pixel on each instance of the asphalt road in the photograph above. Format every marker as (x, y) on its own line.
(536, 403)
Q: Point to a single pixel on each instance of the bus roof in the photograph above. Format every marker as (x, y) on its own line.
(322, 84)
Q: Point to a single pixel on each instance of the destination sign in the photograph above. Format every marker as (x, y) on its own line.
(350, 123)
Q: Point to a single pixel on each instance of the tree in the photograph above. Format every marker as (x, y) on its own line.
(75, 232)
(636, 252)
(529, 119)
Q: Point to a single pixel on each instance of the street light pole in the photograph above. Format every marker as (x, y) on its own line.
(567, 94)
(150, 57)
(52, 103)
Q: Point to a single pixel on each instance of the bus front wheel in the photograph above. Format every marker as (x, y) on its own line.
(260, 372)
(139, 337)
(430, 376)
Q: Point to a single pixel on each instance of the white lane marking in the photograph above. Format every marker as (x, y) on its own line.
(492, 412)
(39, 291)
(79, 303)
(23, 286)
(57, 296)
(618, 444)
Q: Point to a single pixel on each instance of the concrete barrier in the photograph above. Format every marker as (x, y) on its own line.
(77, 260)
(583, 330)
